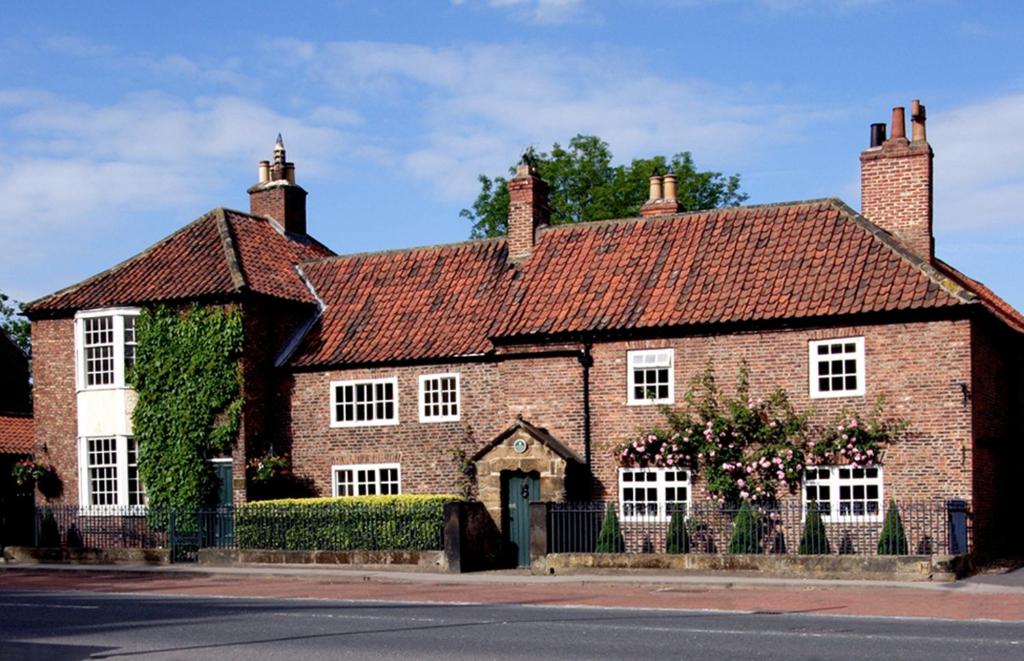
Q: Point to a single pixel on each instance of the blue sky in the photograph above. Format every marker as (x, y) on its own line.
(122, 121)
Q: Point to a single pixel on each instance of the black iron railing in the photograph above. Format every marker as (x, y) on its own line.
(925, 528)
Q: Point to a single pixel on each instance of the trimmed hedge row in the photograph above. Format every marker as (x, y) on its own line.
(365, 523)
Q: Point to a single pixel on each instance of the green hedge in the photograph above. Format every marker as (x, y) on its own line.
(366, 523)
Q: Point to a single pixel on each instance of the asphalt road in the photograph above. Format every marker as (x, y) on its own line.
(75, 625)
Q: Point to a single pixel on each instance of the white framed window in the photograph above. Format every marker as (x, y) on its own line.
(439, 398)
(366, 480)
(651, 376)
(364, 403)
(844, 492)
(652, 493)
(105, 344)
(836, 367)
(109, 474)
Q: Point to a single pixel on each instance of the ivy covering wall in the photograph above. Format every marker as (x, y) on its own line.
(188, 378)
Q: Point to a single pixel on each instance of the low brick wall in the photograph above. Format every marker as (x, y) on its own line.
(114, 556)
(421, 559)
(904, 568)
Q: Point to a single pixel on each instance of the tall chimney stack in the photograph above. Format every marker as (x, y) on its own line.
(276, 195)
(527, 209)
(896, 181)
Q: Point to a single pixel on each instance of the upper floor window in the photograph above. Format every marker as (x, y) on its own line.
(844, 491)
(651, 376)
(837, 367)
(364, 403)
(439, 397)
(366, 480)
(105, 341)
(653, 493)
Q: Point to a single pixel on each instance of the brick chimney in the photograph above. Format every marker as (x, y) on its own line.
(896, 181)
(661, 199)
(277, 195)
(527, 209)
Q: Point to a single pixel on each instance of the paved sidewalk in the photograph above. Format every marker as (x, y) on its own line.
(658, 590)
(750, 580)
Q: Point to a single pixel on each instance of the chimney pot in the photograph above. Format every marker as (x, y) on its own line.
(877, 134)
(264, 171)
(899, 123)
(655, 191)
(289, 172)
(917, 117)
(670, 187)
(276, 195)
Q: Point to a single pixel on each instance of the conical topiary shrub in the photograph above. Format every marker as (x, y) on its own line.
(610, 540)
(746, 532)
(678, 540)
(49, 533)
(893, 540)
(813, 540)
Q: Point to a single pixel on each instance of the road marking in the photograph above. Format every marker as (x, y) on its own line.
(17, 604)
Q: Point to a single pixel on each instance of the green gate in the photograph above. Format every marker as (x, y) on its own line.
(520, 490)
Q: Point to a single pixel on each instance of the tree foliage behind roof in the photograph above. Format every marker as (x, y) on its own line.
(586, 186)
(16, 326)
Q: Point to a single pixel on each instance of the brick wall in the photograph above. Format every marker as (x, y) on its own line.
(527, 210)
(896, 191)
(917, 367)
(55, 400)
(997, 400)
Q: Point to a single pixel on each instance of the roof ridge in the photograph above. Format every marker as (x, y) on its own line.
(390, 251)
(920, 263)
(681, 214)
(305, 239)
(27, 307)
(230, 250)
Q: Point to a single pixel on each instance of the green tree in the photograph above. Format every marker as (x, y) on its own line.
(746, 532)
(586, 186)
(610, 539)
(16, 326)
(814, 540)
(893, 540)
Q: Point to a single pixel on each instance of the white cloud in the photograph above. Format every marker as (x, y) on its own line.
(480, 105)
(979, 163)
(535, 11)
(76, 169)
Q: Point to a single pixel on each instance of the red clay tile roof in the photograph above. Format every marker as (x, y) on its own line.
(989, 298)
(806, 259)
(16, 435)
(220, 254)
(409, 304)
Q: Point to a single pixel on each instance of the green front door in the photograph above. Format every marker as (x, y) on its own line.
(521, 490)
(219, 524)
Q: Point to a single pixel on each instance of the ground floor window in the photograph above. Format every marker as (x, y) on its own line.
(366, 480)
(652, 493)
(844, 491)
(109, 472)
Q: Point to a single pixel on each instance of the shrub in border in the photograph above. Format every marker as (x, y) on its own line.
(814, 540)
(610, 539)
(893, 540)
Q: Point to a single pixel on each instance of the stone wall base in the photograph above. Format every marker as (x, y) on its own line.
(116, 556)
(902, 568)
(421, 559)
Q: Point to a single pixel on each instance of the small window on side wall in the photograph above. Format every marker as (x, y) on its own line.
(837, 367)
(364, 403)
(439, 398)
(366, 480)
(651, 376)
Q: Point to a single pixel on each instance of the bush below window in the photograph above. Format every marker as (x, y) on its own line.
(366, 523)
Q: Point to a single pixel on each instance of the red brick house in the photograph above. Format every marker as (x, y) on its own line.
(534, 354)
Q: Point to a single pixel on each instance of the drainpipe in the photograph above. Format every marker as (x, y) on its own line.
(587, 361)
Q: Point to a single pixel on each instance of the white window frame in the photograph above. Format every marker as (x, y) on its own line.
(117, 315)
(379, 422)
(122, 496)
(335, 485)
(457, 401)
(814, 359)
(661, 484)
(834, 483)
(657, 358)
